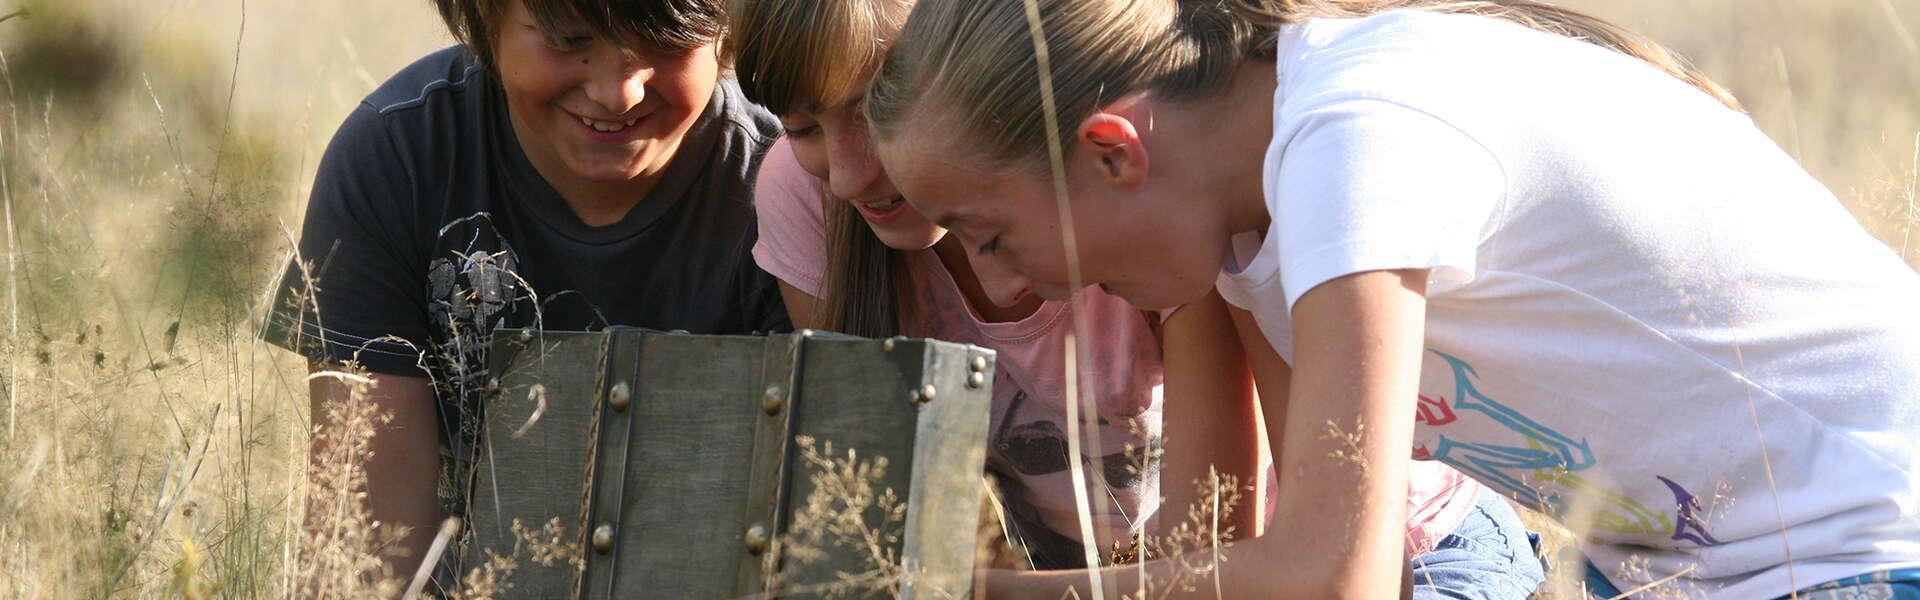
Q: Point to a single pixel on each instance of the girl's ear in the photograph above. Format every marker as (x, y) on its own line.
(1112, 145)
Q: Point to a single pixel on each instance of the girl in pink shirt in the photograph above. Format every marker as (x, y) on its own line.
(852, 256)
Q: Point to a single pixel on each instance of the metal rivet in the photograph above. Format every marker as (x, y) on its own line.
(887, 344)
(928, 392)
(526, 335)
(756, 539)
(976, 379)
(603, 538)
(773, 400)
(913, 397)
(977, 364)
(620, 396)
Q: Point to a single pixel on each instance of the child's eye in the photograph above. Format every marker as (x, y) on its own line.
(568, 43)
(802, 132)
(990, 246)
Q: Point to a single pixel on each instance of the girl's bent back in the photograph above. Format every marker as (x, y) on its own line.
(1640, 309)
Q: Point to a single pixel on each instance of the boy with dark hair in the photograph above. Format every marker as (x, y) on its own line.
(573, 164)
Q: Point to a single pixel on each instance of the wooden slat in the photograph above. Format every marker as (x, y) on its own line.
(613, 462)
(697, 459)
(942, 525)
(691, 465)
(540, 474)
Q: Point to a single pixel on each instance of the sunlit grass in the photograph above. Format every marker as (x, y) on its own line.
(151, 446)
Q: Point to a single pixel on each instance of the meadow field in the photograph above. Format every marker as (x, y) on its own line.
(155, 157)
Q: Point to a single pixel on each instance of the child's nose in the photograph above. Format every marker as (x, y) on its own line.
(851, 167)
(619, 81)
(1003, 287)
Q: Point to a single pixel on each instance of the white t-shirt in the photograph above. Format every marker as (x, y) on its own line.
(1633, 292)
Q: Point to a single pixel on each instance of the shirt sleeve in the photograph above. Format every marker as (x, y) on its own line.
(357, 288)
(1370, 185)
(790, 204)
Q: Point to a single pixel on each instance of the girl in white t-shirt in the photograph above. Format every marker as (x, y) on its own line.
(852, 256)
(1603, 292)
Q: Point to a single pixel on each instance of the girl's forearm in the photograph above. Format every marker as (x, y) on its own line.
(1210, 417)
(1343, 467)
(1260, 568)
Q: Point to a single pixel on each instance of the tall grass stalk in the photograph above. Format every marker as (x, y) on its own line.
(1900, 29)
(13, 250)
(1079, 402)
(1913, 185)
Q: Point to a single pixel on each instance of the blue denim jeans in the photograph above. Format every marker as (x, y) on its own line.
(1488, 557)
(1900, 584)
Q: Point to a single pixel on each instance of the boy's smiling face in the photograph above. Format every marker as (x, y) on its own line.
(588, 112)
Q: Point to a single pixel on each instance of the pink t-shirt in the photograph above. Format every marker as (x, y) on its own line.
(1027, 432)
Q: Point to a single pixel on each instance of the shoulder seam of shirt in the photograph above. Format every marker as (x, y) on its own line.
(298, 327)
(429, 88)
(740, 116)
(748, 127)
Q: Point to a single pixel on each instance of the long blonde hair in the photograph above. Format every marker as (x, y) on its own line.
(978, 58)
(793, 55)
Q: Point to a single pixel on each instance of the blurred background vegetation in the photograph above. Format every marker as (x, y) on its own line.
(154, 162)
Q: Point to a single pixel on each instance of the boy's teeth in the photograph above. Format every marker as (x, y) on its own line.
(605, 127)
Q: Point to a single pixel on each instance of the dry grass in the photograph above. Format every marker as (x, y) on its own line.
(1835, 82)
(153, 159)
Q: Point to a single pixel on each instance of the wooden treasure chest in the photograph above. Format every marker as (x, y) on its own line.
(670, 465)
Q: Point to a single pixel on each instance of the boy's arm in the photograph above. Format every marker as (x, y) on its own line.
(401, 460)
(1209, 417)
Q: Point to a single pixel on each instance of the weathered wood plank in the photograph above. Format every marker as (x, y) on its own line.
(702, 451)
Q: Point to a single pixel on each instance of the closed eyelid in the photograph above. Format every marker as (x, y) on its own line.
(807, 127)
(567, 42)
(556, 32)
(990, 246)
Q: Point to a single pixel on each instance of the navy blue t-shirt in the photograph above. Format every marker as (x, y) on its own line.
(428, 228)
